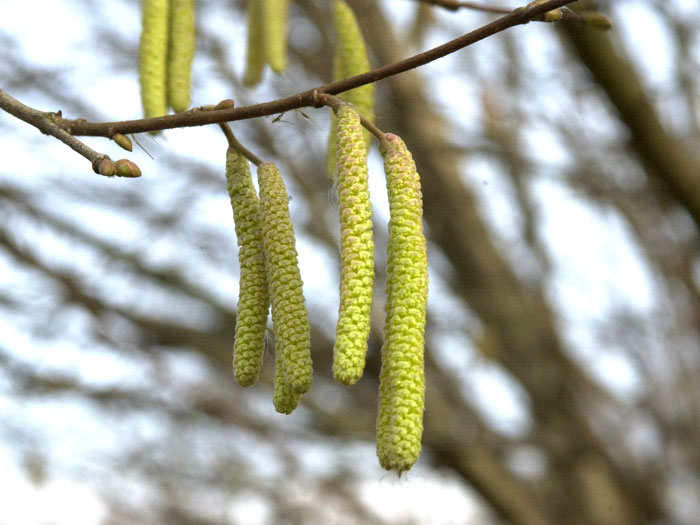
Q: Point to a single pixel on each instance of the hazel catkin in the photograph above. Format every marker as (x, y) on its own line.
(275, 14)
(350, 58)
(356, 249)
(402, 382)
(253, 299)
(153, 57)
(289, 316)
(181, 53)
(255, 53)
(283, 398)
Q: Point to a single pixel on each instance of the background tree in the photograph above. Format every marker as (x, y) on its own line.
(562, 206)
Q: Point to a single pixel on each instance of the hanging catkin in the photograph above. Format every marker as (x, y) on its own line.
(350, 59)
(289, 317)
(181, 53)
(255, 55)
(283, 398)
(253, 300)
(401, 381)
(356, 249)
(153, 57)
(275, 15)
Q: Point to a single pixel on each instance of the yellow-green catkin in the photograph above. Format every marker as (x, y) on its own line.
(356, 249)
(283, 398)
(153, 57)
(253, 299)
(181, 53)
(255, 55)
(402, 382)
(289, 316)
(275, 16)
(350, 58)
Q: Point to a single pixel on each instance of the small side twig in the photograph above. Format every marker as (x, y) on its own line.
(335, 102)
(562, 14)
(46, 123)
(240, 148)
(230, 137)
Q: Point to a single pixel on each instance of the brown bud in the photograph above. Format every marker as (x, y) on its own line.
(225, 104)
(595, 20)
(104, 166)
(126, 168)
(553, 16)
(122, 141)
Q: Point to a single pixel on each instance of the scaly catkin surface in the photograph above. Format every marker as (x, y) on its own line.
(289, 316)
(356, 249)
(350, 59)
(253, 299)
(402, 382)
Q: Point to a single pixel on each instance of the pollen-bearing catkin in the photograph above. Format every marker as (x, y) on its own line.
(402, 383)
(153, 57)
(356, 249)
(289, 316)
(255, 54)
(253, 299)
(283, 398)
(181, 53)
(350, 59)
(275, 15)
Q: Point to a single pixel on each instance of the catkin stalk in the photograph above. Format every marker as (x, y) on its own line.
(181, 53)
(253, 299)
(153, 57)
(402, 383)
(255, 55)
(356, 249)
(350, 58)
(289, 316)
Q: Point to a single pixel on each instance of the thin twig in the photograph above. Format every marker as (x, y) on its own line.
(519, 16)
(335, 103)
(46, 122)
(590, 18)
(453, 5)
(240, 148)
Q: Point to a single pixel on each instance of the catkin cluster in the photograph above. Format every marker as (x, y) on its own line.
(268, 257)
(267, 38)
(350, 58)
(269, 276)
(253, 299)
(166, 52)
(402, 382)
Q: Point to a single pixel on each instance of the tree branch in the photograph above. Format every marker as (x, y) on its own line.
(591, 18)
(47, 123)
(519, 16)
(454, 5)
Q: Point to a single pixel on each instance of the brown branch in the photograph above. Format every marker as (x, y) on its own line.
(590, 18)
(308, 98)
(453, 5)
(47, 123)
